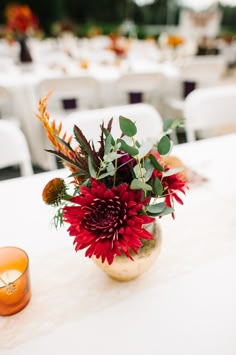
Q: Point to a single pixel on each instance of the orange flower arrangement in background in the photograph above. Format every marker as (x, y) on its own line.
(20, 20)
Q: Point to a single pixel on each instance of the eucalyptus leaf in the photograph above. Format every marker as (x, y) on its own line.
(149, 169)
(140, 185)
(157, 208)
(155, 163)
(157, 186)
(173, 171)
(165, 212)
(127, 148)
(111, 168)
(164, 145)
(108, 173)
(111, 156)
(127, 126)
(145, 148)
(168, 124)
(139, 172)
(107, 148)
(107, 133)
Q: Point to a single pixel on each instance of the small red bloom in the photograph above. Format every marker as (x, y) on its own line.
(171, 184)
(107, 221)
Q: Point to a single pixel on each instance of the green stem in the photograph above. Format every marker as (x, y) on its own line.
(114, 182)
(139, 165)
(66, 197)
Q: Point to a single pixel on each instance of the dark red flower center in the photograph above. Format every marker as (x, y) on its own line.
(105, 217)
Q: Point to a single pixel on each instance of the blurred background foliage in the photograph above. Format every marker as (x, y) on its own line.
(108, 14)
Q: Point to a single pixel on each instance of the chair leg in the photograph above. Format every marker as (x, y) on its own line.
(26, 168)
(190, 135)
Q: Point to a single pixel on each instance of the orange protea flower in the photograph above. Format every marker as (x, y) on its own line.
(75, 159)
(51, 129)
(53, 132)
(54, 191)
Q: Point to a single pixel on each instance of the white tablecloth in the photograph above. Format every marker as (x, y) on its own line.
(185, 304)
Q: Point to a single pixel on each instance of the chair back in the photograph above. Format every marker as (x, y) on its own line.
(204, 70)
(137, 84)
(14, 148)
(146, 117)
(210, 109)
(71, 92)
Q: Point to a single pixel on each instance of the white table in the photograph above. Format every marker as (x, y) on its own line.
(185, 304)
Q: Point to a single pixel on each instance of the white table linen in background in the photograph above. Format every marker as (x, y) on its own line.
(185, 304)
(22, 82)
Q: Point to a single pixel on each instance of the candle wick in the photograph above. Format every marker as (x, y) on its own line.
(3, 281)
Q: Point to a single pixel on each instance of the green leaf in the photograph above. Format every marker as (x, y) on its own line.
(166, 211)
(155, 163)
(109, 173)
(111, 156)
(149, 169)
(145, 148)
(108, 144)
(92, 171)
(107, 133)
(157, 208)
(173, 171)
(164, 145)
(168, 124)
(111, 168)
(157, 186)
(139, 172)
(171, 124)
(127, 148)
(140, 185)
(127, 126)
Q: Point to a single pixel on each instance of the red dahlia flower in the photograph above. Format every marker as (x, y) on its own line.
(107, 221)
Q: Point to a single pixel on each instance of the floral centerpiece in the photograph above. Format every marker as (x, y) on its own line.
(115, 190)
(20, 21)
(118, 45)
(20, 24)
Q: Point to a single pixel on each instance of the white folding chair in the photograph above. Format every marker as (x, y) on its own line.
(148, 121)
(14, 148)
(6, 106)
(210, 110)
(70, 93)
(205, 70)
(138, 86)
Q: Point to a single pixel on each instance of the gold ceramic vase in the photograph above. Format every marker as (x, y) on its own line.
(125, 269)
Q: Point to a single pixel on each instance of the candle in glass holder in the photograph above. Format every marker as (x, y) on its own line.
(15, 289)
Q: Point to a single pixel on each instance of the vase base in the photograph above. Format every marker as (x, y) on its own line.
(124, 269)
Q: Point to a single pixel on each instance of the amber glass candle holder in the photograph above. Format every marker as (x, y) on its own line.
(15, 291)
